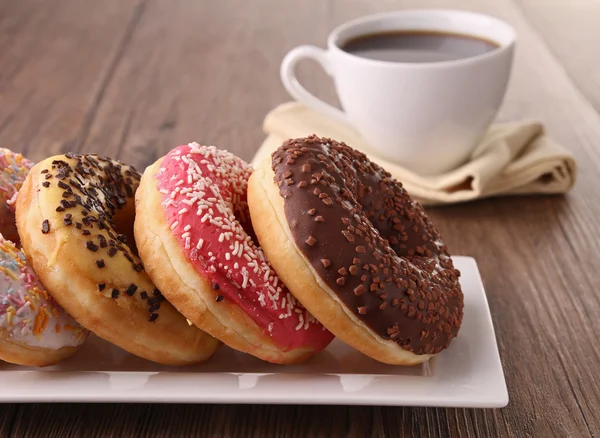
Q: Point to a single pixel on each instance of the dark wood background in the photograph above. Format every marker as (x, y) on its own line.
(134, 78)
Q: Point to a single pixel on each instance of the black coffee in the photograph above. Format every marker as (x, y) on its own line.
(417, 46)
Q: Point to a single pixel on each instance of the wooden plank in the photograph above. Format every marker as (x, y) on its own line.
(7, 417)
(204, 71)
(56, 58)
(571, 32)
(178, 71)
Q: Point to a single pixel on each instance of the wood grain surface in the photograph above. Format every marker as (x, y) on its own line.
(134, 78)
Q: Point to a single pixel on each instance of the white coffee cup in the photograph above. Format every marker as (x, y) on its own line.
(425, 116)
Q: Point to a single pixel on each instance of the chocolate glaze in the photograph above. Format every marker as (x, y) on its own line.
(370, 243)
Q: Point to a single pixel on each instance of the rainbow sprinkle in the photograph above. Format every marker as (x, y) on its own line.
(13, 171)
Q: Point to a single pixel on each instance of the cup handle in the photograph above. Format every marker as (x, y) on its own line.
(297, 91)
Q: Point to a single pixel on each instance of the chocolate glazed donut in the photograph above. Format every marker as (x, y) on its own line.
(382, 279)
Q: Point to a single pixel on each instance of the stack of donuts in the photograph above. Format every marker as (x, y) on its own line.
(201, 250)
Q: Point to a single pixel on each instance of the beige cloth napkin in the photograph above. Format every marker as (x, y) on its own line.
(513, 158)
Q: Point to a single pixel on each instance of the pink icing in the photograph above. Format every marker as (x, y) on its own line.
(204, 198)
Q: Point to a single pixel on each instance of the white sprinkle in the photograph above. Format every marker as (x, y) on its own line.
(300, 323)
(222, 238)
(261, 300)
(188, 227)
(235, 265)
(187, 243)
(205, 218)
(186, 234)
(174, 225)
(164, 191)
(23, 307)
(182, 211)
(200, 243)
(227, 256)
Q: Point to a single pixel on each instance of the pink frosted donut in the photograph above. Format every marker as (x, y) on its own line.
(194, 235)
(13, 171)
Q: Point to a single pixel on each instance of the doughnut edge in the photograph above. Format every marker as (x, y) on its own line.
(25, 355)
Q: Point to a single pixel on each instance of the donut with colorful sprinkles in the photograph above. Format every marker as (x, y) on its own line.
(356, 250)
(13, 171)
(75, 218)
(34, 329)
(194, 235)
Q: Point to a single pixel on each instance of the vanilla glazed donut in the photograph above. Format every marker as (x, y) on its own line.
(356, 251)
(75, 218)
(13, 171)
(34, 329)
(194, 235)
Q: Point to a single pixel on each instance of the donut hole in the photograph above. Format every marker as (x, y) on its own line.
(242, 215)
(123, 225)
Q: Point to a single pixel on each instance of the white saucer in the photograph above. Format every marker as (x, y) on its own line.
(468, 374)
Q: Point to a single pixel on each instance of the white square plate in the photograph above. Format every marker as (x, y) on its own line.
(467, 374)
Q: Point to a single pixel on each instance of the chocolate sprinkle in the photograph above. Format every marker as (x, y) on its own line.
(91, 246)
(392, 257)
(220, 298)
(131, 290)
(97, 188)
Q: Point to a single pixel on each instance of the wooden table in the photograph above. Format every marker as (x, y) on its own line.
(133, 78)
